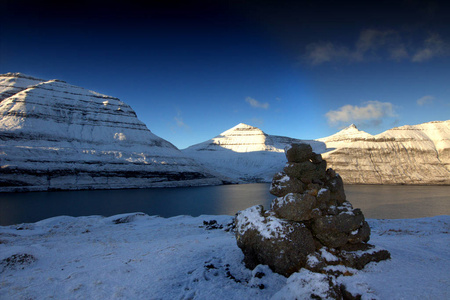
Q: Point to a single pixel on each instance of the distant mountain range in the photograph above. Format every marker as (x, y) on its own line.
(418, 154)
(54, 135)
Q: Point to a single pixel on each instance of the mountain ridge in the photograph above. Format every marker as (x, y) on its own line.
(54, 135)
(410, 154)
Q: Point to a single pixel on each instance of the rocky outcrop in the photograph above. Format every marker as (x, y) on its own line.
(310, 225)
(54, 135)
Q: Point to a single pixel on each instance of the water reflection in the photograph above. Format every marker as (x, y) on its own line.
(239, 197)
(375, 201)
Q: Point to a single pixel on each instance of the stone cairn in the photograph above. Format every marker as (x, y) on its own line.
(310, 225)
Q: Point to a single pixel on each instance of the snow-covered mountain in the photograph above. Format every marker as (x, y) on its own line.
(417, 154)
(54, 135)
(245, 153)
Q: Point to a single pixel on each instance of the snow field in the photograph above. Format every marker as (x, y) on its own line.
(148, 257)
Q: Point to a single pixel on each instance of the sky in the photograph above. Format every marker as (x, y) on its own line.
(193, 69)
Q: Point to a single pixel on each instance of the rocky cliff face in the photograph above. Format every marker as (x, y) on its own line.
(244, 153)
(418, 154)
(54, 135)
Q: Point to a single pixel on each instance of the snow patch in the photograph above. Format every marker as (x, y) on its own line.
(327, 255)
(269, 227)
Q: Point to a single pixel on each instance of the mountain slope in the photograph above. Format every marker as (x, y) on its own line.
(54, 135)
(245, 153)
(418, 154)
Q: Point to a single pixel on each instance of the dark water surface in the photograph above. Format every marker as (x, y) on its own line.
(388, 202)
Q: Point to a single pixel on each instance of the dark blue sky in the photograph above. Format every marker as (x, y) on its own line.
(192, 69)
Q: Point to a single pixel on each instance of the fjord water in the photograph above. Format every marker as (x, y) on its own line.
(376, 201)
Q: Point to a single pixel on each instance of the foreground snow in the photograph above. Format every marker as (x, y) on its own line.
(136, 256)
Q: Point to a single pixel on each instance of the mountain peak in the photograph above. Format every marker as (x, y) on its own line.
(349, 132)
(241, 126)
(351, 129)
(242, 129)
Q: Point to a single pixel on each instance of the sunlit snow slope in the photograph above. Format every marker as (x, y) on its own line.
(417, 154)
(245, 153)
(54, 135)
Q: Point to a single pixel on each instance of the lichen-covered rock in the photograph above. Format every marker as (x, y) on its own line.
(282, 185)
(296, 207)
(299, 153)
(265, 239)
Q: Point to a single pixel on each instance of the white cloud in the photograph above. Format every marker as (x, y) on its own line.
(371, 40)
(398, 53)
(369, 43)
(425, 100)
(256, 103)
(371, 111)
(319, 53)
(375, 44)
(179, 120)
(434, 46)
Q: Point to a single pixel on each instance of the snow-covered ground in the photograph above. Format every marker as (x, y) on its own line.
(136, 256)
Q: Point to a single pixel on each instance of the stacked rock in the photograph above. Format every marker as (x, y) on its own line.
(310, 225)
